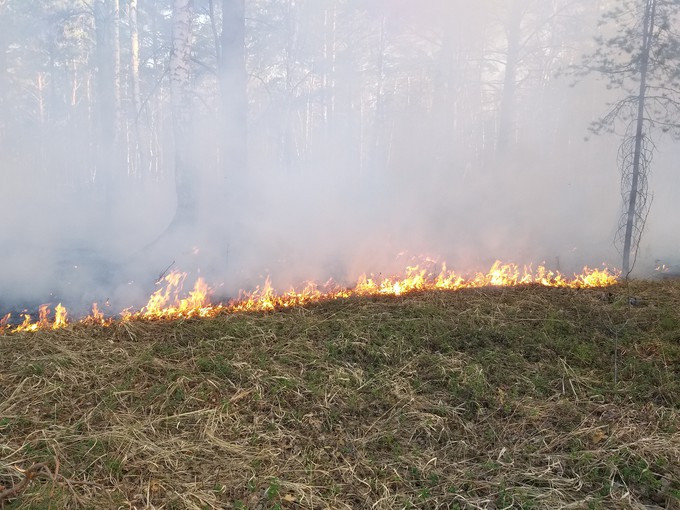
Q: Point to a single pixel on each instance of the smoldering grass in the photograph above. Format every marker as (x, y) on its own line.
(476, 399)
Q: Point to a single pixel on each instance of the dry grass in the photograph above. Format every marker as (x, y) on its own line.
(492, 398)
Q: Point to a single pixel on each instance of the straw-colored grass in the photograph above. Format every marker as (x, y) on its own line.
(493, 398)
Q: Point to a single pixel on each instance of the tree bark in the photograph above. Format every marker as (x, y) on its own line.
(647, 33)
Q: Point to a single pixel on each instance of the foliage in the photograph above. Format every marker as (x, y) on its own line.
(617, 58)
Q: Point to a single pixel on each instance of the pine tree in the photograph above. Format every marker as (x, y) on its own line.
(641, 59)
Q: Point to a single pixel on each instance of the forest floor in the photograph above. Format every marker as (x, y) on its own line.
(525, 397)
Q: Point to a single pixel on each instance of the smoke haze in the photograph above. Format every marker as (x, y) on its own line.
(376, 132)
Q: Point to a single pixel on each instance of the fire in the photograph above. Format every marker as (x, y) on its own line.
(97, 317)
(59, 317)
(266, 298)
(43, 322)
(167, 302)
(4, 321)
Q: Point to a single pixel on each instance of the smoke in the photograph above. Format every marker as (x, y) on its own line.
(371, 141)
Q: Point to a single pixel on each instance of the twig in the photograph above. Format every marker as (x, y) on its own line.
(616, 358)
(29, 474)
(54, 478)
(164, 272)
(32, 472)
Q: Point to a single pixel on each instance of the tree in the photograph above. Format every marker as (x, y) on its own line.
(536, 35)
(137, 146)
(232, 77)
(507, 106)
(4, 43)
(641, 59)
(108, 80)
(180, 88)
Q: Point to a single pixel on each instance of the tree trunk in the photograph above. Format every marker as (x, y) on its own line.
(137, 146)
(4, 43)
(647, 32)
(379, 133)
(287, 139)
(180, 83)
(116, 61)
(328, 79)
(233, 89)
(506, 121)
(106, 90)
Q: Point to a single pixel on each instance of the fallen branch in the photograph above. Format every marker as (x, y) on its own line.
(29, 474)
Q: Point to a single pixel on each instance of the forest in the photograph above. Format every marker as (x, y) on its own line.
(375, 157)
(316, 139)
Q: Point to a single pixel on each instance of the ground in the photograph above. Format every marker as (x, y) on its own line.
(527, 397)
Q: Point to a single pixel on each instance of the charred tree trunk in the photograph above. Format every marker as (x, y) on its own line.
(180, 83)
(631, 209)
(231, 62)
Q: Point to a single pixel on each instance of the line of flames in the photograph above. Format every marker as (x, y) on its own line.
(167, 303)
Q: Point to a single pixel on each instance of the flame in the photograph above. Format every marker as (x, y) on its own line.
(29, 325)
(418, 278)
(60, 317)
(266, 298)
(43, 321)
(167, 303)
(4, 321)
(43, 314)
(97, 317)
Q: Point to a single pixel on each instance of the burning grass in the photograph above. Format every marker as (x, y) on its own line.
(167, 302)
(481, 398)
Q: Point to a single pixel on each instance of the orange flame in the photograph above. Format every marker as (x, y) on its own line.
(417, 279)
(4, 321)
(43, 321)
(97, 317)
(43, 314)
(28, 324)
(167, 303)
(60, 317)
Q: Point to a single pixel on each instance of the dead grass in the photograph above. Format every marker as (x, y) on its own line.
(492, 398)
